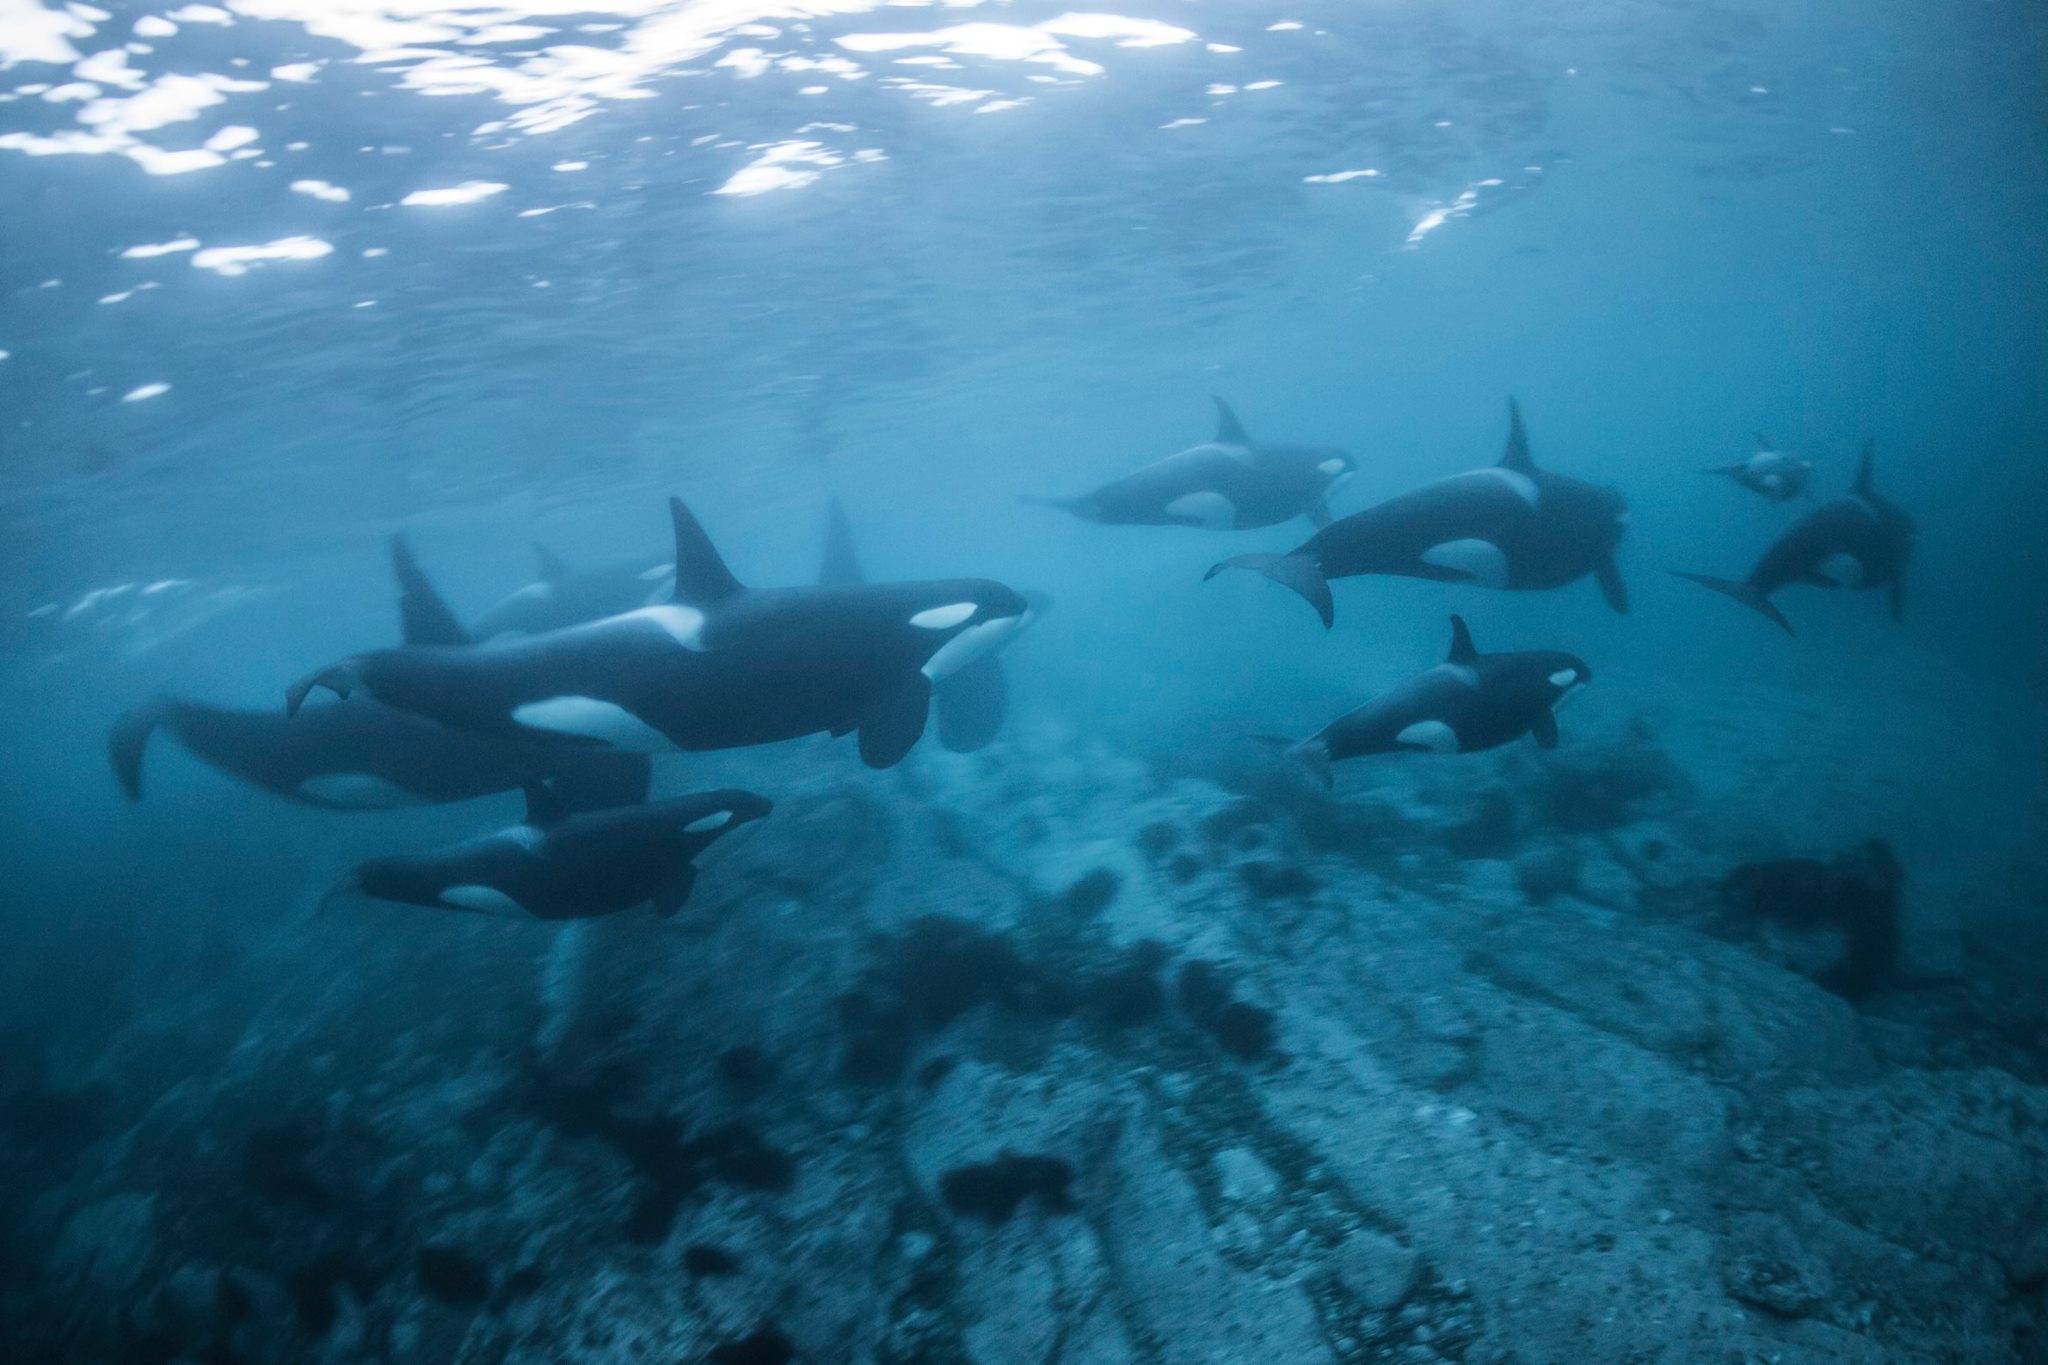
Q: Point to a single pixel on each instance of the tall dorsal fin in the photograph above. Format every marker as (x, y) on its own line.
(549, 564)
(544, 806)
(701, 576)
(840, 564)
(1229, 431)
(1863, 469)
(1462, 651)
(1517, 456)
(423, 618)
(1763, 442)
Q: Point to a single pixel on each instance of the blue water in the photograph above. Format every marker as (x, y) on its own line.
(284, 277)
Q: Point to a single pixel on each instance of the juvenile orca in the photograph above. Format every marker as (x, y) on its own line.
(720, 666)
(1771, 472)
(1230, 483)
(561, 596)
(1469, 702)
(1861, 541)
(562, 866)
(361, 755)
(1511, 526)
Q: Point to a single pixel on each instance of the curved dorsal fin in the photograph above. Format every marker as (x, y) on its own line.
(1517, 456)
(423, 618)
(544, 806)
(701, 576)
(1763, 442)
(840, 564)
(1462, 651)
(1863, 468)
(549, 564)
(1229, 431)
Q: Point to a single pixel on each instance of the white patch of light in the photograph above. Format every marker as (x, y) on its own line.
(1438, 216)
(1263, 85)
(781, 166)
(1222, 47)
(149, 249)
(202, 14)
(145, 391)
(1339, 177)
(298, 73)
(30, 33)
(240, 260)
(232, 136)
(1284, 26)
(1184, 123)
(321, 190)
(571, 166)
(468, 192)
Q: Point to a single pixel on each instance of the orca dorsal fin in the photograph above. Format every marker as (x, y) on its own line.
(1229, 431)
(701, 576)
(1462, 651)
(1863, 469)
(1763, 443)
(544, 805)
(423, 618)
(840, 565)
(1517, 457)
(549, 564)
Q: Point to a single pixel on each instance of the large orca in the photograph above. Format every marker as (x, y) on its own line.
(562, 596)
(1511, 526)
(1770, 471)
(719, 666)
(1230, 483)
(559, 865)
(1860, 541)
(1469, 702)
(360, 755)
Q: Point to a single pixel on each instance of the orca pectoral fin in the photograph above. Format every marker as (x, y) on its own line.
(671, 897)
(1544, 729)
(895, 723)
(1611, 585)
(127, 740)
(1317, 512)
(340, 679)
(971, 705)
(1298, 573)
(1743, 593)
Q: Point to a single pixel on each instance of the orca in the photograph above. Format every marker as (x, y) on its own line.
(561, 596)
(1860, 541)
(1770, 471)
(1230, 483)
(972, 703)
(1467, 703)
(558, 865)
(1511, 526)
(361, 755)
(718, 666)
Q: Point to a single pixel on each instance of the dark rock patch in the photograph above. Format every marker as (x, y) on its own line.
(993, 1190)
(274, 1168)
(704, 1261)
(1854, 895)
(1272, 881)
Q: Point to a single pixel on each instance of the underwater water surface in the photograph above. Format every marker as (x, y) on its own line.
(1703, 1019)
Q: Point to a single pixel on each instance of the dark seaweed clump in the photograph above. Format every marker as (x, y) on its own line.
(453, 1276)
(765, 1347)
(1856, 894)
(1243, 1030)
(993, 1190)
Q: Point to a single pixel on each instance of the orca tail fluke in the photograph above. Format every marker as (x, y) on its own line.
(1082, 507)
(341, 679)
(127, 740)
(1297, 573)
(1743, 593)
(1312, 755)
